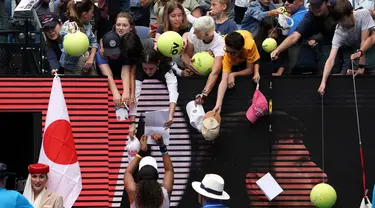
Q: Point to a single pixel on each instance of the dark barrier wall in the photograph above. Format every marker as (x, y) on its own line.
(292, 152)
(287, 144)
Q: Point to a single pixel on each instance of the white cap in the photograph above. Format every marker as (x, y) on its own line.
(148, 160)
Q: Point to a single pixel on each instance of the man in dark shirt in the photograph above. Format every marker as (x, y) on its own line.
(318, 20)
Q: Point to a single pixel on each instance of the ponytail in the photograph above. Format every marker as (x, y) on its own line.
(149, 56)
(76, 8)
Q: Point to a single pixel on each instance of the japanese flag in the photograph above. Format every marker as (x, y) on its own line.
(58, 150)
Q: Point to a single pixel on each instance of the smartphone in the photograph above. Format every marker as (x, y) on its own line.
(153, 27)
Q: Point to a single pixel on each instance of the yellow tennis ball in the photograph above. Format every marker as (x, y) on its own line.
(269, 44)
(203, 62)
(170, 44)
(323, 196)
(283, 10)
(76, 44)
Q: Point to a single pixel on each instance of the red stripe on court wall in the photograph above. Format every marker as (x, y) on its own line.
(87, 101)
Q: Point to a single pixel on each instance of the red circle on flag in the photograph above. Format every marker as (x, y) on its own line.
(58, 143)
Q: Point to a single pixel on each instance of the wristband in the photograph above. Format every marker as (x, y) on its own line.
(204, 93)
(163, 149)
(359, 50)
(137, 155)
(142, 153)
(203, 96)
(361, 66)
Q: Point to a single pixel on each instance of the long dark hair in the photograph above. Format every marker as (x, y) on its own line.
(76, 9)
(267, 24)
(131, 46)
(149, 194)
(150, 56)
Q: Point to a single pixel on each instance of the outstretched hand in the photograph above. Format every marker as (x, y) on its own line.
(143, 142)
(158, 139)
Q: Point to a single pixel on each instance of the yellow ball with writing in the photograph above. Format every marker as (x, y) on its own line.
(170, 44)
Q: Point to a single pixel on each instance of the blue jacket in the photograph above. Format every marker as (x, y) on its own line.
(297, 18)
(70, 62)
(254, 15)
(13, 199)
(214, 204)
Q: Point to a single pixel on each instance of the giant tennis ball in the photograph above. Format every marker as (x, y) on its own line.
(323, 196)
(269, 44)
(203, 62)
(170, 44)
(76, 44)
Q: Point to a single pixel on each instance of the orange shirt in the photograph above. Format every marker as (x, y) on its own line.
(249, 53)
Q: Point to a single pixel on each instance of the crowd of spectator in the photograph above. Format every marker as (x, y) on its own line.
(317, 37)
(312, 37)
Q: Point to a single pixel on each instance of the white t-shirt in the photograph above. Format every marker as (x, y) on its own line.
(216, 45)
(242, 3)
(366, 4)
(363, 21)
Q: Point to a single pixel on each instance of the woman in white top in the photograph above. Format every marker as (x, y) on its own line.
(147, 192)
(152, 65)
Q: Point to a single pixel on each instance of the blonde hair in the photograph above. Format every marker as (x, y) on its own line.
(205, 25)
(226, 2)
(168, 9)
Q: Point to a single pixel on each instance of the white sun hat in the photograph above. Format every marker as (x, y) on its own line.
(212, 186)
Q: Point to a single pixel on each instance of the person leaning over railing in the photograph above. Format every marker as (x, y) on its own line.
(240, 56)
(353, 30)
(147, 192)
(202, 37)
(268, 67)
(153, 65)
(51, 25)
(317, 20)
(112, 64)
